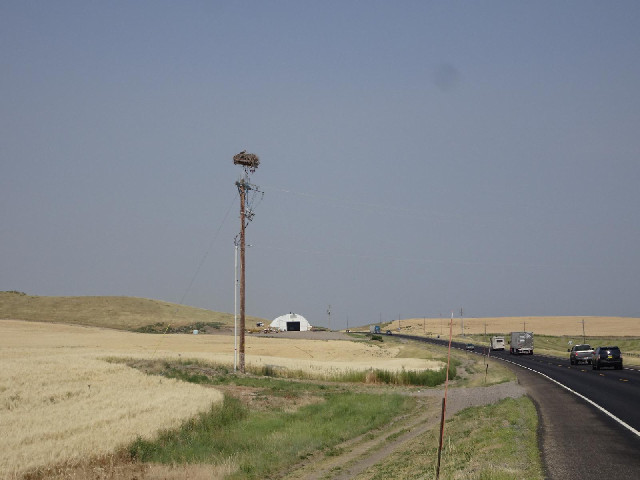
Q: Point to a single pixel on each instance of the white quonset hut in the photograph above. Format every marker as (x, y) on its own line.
(291, 322)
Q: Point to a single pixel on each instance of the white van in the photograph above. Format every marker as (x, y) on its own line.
(497, 343)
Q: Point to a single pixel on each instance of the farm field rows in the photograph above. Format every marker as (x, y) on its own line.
(570, 326)
(60, 399)
(552, 335)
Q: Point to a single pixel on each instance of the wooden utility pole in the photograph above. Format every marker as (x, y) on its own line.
(242, 188)
(249, 162)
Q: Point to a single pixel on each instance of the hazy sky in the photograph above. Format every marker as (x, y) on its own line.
(416, 157)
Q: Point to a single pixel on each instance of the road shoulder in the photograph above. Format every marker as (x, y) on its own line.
(576, 439)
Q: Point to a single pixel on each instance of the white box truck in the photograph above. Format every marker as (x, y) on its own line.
(497, 343)
(521, 343)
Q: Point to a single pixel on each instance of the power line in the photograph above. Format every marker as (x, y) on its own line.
(412, 259)
(377, 208)
(206, 254)
(204, 257)
(487, 218)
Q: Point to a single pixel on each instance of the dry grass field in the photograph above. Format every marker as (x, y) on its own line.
(125, 313)
(555, 326)
(60, 400)
(553, 334)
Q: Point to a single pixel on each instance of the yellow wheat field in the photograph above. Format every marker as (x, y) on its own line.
(555, 326)
(60, 400)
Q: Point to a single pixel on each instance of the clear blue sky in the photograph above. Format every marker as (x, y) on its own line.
(416, 157)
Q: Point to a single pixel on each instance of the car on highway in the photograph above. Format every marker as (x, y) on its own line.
(580, 353)
(470, 347)
(389, 332)
(606, 357)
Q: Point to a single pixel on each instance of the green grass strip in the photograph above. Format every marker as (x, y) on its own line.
(263, 443)
(218, 374)
(496, 442)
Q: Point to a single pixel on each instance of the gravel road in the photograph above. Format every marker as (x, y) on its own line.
(460, 398)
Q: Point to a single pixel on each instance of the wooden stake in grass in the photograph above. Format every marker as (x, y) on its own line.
(444, 399)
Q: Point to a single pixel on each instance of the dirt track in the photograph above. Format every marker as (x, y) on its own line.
(364, 452)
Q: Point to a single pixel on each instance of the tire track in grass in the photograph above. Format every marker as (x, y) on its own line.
(353, 457)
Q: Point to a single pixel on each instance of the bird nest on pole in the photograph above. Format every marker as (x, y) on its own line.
(249, 161)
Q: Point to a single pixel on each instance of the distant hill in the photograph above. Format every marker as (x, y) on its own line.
(124, 313)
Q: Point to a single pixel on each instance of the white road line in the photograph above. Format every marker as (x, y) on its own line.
(603, 410)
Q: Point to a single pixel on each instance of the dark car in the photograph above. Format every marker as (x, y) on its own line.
(389, 332)
(607, 357)
(470, 347)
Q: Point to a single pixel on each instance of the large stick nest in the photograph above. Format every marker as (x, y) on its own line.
(250, 160)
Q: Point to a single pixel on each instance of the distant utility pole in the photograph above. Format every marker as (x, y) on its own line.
(329, 315)
(584, 337)
(250, 163)
(462, 321)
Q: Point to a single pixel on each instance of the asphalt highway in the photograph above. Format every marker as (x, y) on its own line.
(589, 419)
(616, 391)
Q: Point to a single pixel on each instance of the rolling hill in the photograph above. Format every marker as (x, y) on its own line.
(123, 313)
